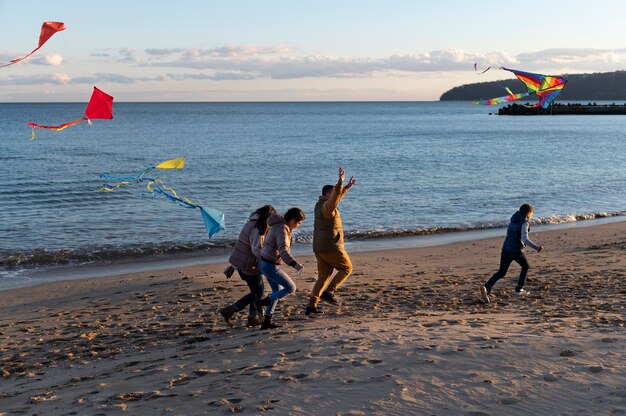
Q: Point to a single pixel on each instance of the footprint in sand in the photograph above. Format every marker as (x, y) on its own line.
(510, 400)
(551, 377)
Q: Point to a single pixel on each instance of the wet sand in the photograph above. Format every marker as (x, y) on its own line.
(410, 337)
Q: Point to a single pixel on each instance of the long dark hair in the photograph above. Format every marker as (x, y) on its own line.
(264, 213)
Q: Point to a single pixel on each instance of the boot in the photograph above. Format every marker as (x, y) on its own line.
(229, 270)
(312, 309)
(254, 320)
(267, 323)
(329, 297)
(228, 313)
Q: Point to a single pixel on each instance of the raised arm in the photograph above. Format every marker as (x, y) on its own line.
(329, 207)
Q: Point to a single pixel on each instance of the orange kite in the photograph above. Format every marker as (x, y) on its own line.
(47, 30)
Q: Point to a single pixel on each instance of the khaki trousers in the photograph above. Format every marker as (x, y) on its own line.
(326, 264)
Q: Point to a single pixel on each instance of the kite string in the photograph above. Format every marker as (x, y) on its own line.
(187, 186)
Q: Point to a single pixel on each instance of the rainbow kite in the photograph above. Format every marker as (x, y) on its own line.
(47, 30)
(212, 218)
(100, 106)
(546, 87)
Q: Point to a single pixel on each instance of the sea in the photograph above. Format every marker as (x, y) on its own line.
(422, 169)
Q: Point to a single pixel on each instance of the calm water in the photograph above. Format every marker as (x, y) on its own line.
(421, 167)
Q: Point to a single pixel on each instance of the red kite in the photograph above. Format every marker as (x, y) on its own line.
(47, 30)
(100, 106)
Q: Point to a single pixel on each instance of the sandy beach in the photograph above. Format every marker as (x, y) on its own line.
(410, 337)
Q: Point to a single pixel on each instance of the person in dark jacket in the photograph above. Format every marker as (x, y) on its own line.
(244, 259)
(515, 241)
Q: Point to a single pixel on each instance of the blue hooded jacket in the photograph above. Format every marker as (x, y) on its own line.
(513, 241)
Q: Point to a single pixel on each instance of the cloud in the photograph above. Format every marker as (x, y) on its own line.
(61, 78)
(46, 60)
(220, 52)
(121, 55)
(219, 76)
(280, 63)
(112, 78)
(54, 59)
(128, 55)
(250, 62)
(164, 51)
(583, 58)
(40, 79)
(108, 78)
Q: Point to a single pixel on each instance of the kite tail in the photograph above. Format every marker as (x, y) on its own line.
(499, 100)
(60, 127)
(16, 60)
(121, 181)
(110, 188)
(213, 219)
(173, 196)
(488, 68)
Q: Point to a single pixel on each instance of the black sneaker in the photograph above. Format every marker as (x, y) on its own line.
(312, 310)
(265, 301)
(329, 297)
(267, 323)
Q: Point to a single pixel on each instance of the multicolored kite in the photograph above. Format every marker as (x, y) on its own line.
(47, 30)
(212, 218)
(545, 86)
(100, 106)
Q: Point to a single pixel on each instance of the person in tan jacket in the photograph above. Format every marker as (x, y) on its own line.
(328, 244)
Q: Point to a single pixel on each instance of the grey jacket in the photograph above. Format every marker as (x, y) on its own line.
(277, 247)
(247, 250)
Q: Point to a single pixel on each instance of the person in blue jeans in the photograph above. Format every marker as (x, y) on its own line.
(275, 252)
(244, 259)
(512, 251)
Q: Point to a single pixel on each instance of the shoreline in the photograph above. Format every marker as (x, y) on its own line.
(410, 337)
(38, 276)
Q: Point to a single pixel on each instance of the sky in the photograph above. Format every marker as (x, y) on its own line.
(289, 50)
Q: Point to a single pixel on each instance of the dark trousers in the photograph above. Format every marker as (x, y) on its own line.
(506, 258)
(257, 288)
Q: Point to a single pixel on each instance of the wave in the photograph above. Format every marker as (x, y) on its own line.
(39, 258)
(16, 259)
(356, 235)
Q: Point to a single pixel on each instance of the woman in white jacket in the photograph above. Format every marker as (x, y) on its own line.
(276, 251)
